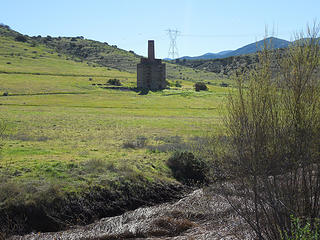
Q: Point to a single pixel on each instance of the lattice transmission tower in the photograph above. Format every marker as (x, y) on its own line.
(173, 49)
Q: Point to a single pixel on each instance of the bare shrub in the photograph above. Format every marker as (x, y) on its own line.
(273, 123)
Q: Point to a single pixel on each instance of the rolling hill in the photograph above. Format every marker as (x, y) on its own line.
(77, 47)
(99, 54)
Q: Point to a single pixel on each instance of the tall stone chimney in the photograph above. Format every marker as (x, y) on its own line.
(151, 72)
(151, 50)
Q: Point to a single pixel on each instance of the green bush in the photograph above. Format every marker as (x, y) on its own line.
(178, 84)
(200, 86)
(187, 168)
(114, 81)
(302, 231)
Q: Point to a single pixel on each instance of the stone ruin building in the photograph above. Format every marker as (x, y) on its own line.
(151, 72)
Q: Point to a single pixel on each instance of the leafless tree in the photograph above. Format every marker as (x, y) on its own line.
(273, 126)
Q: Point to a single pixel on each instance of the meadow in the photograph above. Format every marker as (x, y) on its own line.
(76, 150)
(62, 126)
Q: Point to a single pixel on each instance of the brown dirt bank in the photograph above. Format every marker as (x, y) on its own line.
(62, 213)
(198, 215)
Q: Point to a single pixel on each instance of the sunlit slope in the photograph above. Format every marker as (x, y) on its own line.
(25, 68)
(97, 53)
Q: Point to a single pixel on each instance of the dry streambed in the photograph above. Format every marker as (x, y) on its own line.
(196, 216)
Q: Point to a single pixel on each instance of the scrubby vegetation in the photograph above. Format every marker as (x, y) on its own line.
(21, 38)
(200, 86)
(302, 230)
(188, 169)
(223, 67)
(114, 81)
(177, 84)
(273, 123)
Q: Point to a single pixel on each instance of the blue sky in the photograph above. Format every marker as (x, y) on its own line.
(205, 25)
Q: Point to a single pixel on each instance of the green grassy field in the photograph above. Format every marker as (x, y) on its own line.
(63, 128)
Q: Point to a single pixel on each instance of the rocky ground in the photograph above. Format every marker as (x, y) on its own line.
(199, 215)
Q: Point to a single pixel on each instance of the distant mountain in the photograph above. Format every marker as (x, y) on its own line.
(207, 55)
(271, 42)
(223, 52)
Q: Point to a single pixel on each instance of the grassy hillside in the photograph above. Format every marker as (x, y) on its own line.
(111, 56)
(223, 67)
(94, 53)
(34, 69)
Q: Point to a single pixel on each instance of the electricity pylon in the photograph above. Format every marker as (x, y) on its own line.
(173, 49)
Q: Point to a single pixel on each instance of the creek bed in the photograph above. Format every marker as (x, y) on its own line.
(196, 216)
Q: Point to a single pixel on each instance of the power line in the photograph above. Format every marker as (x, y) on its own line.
(230, 35)
(173, 49)
(219, 36)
